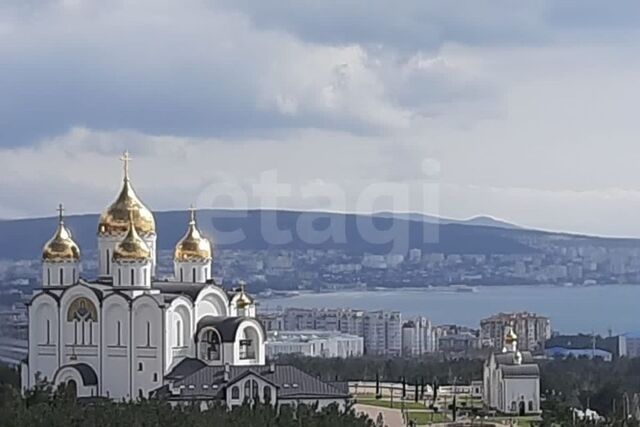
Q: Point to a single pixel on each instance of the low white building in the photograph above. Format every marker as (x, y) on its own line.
(193, 381)
(380, 330)
(512, 380)
(314, 344)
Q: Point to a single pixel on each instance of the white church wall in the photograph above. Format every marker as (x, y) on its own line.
(67, 374)
(250, 388)
(43, 338)
(212, 301)
(179, 331)
(518, 390)
(106, 245)
(60, 273)
(128, 274)
(227, 354)
(192, 271)
(249, 329)
(80, 339)
(148, 342)
(116, 348)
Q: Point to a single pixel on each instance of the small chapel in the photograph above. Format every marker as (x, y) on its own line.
(127, 335)
(512, 380)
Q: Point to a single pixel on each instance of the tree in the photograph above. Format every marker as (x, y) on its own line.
(44, 406)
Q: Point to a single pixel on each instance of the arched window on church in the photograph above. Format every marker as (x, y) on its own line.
(61, 276)
(255, 391)
(247, 390)
(209, 345)
(530, 406)
(83, 314)
(235, 393)
(108, 263)
(266, 394)
(133, 277)
(119, 277)
(119, 334)
(48, 276)
(193, 274)
(178, 333)
(248, 343)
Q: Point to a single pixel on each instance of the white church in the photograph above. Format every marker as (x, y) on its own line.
(127, 335)
(512, 380)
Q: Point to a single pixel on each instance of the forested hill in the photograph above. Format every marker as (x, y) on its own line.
(254, 229)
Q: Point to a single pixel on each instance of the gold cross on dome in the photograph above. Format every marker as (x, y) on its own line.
(60, 211)
(126, 158)
(192, 210)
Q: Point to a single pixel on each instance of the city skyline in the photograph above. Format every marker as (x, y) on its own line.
(519, 113)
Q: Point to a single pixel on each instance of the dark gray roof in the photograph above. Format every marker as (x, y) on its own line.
(513, 371)
(226, 326)
(99, 292)
(510, 369)
(509, 358)
(87, 373)
(189, 289)
(290, 382)
(185, 368)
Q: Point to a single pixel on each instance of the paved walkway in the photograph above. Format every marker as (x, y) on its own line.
(392, 417)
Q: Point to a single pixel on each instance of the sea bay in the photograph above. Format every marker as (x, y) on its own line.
(571, 309)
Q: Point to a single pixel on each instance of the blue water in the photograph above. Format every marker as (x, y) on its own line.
(586, 309)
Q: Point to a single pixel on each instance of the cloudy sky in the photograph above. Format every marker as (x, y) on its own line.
(526, 111)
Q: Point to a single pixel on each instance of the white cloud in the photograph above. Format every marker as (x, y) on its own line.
(187, 68)
(528, 111)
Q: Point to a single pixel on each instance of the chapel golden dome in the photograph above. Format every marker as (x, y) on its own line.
(193, 246)
(132, 247)
(61, 247)
(115, 220)
(244, 300)
(511, 336)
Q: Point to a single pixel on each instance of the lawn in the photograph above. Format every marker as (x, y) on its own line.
(424, 418)
(397, 404)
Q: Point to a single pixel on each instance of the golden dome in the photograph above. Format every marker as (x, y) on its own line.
(115, 220)
(193, 246)
(244, 300)
(61, 247)
(132, 247)
(511, 336)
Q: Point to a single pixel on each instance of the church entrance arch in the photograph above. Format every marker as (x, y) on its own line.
(72, 388)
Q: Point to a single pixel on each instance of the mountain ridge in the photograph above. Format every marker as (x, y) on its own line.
(353, 233)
